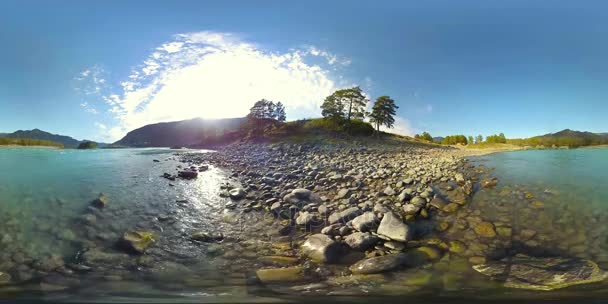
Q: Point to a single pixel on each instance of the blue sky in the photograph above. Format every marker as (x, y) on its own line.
(96, 69)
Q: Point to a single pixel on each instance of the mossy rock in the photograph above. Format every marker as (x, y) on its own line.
(485, 229)
(137, 241)
(280, 275)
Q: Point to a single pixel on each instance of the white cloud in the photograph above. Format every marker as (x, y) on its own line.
(100, 125)
(215, 75)
(88, 108)
(402, 126)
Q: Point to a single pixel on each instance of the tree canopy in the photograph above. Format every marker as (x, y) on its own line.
(87, 145)
(454, 140)
(345, 104)
(267, 110)
(383, 112)
(425, 136)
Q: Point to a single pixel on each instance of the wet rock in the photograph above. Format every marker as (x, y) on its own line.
(459, 178)
(361, 240)
(485, 229)
(450, 208)
(305, 219)
(344, 216)
(438, 202)
(365, 221)
(533, 273)
(280, 275)
(343, 193)
(456, 247)
(410, 209)
(5, 278)
(137, 241)
(237, 193)
(422, 255)
(321, 248)
(279, 260)
(94, 256)
(188, 174)
(393, 228)
(204, 236)
(100, 202)
(378, 264)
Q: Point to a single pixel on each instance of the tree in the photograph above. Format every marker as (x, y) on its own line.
(345, 104)
(470, 140)
(426, 136)
(454, 140)
(279, 112)
(478, 139)
(383, 111)
(87, 145)
(500, 139)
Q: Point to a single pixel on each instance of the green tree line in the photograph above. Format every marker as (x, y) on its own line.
(28, 142)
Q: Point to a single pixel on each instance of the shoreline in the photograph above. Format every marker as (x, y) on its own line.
(37, 147)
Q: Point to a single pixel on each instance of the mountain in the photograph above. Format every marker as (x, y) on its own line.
(567, 137)
(178, 133)
(67, 141)
(42, 135)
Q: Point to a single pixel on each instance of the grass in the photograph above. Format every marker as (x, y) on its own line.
(499, 146)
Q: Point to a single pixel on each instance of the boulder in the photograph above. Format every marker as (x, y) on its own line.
(344, 216)
(237, 193)
(378, 264)
(361, 240)
(321, 248)
(305, 219)
(485, 229)
(526, 272)
(393, 228)
(409, 209)
(301, 193)
(365, 221)
(280, 275)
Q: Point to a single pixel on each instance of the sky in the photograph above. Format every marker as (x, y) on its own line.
(98, 69)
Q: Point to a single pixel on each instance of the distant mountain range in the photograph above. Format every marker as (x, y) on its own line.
(562, 138)
(183, 133)
(577, 134)
(67, 141)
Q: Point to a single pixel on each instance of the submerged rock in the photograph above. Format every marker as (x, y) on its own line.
(280, 275)
(100, 202)
(379, 264)
(137, 241)
(526, 272)
(188, 174)
(321, 248)
(237, 193)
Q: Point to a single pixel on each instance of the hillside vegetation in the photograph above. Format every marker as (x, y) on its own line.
(28, 142)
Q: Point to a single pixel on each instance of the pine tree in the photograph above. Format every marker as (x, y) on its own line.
(279, 113)
(383, 112)
(345, 104)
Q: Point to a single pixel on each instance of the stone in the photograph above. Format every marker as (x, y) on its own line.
(305, 219)
(365, 221)
(278, 259)
(548, 273)
(301, 193)
(388, 191)
(361, 240)
(485, 229)
(409, 209)
(504, 232)
(422, 255)
(379, 208)
(459, 178)
(137, 241)
(418, 201)
(100, 202)
(456, 247)
(343, 193)
(450, 208)
(344, 216)
(237, 193)
(378, 264)
(203, 236)
(527, 234)
(280, 275)
(393, 228)
(438, 202)
(188, 174)
(321, 248)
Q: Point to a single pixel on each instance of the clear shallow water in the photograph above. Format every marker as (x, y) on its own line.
(44, 194)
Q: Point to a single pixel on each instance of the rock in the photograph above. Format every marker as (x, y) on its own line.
(323, 210)
(361, 240)
(378, 264)
(485, 229)
(137, 241)
(343, 193)
(533, 273)
(305, 219)
(527, 234)
(489, 183)
(422, 255)
(404, 195)
(456, 247)
(237, 193)
(451, 208)
(5, 278)
(418, 201)
(393, 228)
(344, 216)
(278, 259)
(365, 221)
(100, 202)
(280, 275)
(438, 202)
(459, 178)
(188, 174)
(379, 208)
(321, 248)
(301, 193)
(203, 236)
(410, 209)
(388, 191)
(476, 260)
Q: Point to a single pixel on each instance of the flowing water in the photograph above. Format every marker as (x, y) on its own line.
(554, 202)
